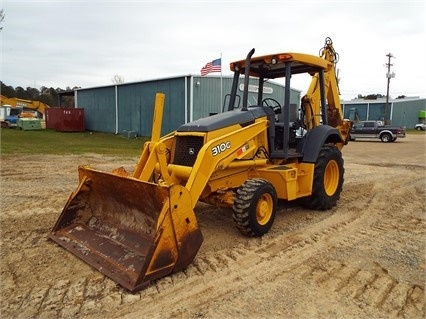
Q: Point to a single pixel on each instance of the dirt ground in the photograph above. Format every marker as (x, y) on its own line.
(363, 259)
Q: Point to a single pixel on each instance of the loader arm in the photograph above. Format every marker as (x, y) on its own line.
(154, 151)
(212, 158)
(216, 154)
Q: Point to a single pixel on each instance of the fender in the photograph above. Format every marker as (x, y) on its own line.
(387, 131)
(316, 138)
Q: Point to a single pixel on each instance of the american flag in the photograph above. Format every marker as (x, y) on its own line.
(213, 66)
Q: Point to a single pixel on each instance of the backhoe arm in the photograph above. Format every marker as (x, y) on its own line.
(312, 100)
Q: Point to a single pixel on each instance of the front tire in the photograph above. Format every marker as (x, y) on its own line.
(255, 207)
(328, 179)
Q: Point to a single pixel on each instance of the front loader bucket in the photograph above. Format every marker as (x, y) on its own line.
(131, 231)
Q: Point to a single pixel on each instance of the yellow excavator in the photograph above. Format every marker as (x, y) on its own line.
(13, 108)
(25, 105)
(141, 226)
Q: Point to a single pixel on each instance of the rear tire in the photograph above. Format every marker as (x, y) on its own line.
(328, 179)
(386, 137)
(255, 207)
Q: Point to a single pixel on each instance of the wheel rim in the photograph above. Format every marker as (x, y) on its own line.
(264, 209)
(331, 177)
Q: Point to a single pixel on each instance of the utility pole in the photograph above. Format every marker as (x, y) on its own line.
(389, 75)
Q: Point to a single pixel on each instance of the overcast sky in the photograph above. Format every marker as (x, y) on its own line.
(85, 43)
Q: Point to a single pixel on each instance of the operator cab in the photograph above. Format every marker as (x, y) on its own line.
(286, 138)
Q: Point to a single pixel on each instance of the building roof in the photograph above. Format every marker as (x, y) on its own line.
(382, 100)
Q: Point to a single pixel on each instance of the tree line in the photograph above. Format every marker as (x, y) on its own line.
(49, 96)
(376, 96)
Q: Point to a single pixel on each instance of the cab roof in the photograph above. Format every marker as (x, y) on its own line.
(274, 65)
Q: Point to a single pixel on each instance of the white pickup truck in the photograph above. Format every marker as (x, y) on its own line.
(420, 127)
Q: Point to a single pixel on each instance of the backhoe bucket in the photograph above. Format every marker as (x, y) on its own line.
(131, 231)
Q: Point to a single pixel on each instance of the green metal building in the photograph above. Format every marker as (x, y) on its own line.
(129, 107)
(406, 112)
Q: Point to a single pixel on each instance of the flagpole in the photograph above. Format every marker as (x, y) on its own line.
(221, 85)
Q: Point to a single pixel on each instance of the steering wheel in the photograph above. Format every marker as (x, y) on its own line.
(273, 104)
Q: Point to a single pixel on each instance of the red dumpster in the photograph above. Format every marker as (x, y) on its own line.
(65, 119)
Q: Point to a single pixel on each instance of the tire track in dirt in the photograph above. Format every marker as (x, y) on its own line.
(376, 287)
(211, 266)
(88, 298)
(371, 288)
(312, 253)
(215, 270)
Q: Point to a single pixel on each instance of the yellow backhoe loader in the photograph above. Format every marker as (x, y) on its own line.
(139, 227)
